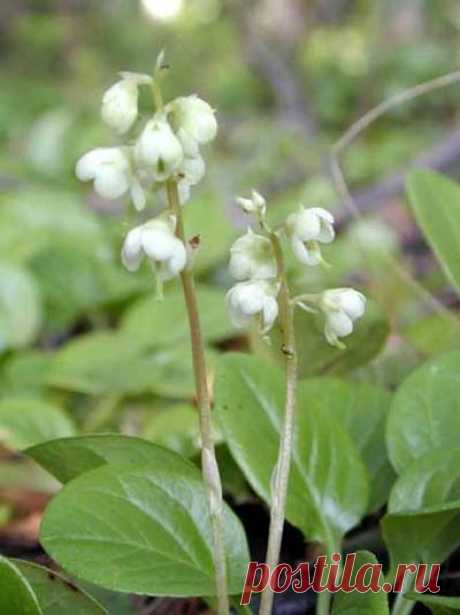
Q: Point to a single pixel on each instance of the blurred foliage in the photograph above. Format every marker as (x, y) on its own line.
(86, 343)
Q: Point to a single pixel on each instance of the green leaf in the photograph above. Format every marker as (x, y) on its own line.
(328, 484)
(316, 356)
(20, 307)
(208, 220)
(16, 594)
(438, 605)
(435, 201)
(55, 594)
(425, 412)
(423, 519)
(164, 323)
(142, 529)
(114, 363)
(27, 421)
(68, 458)
(176, 428)
(362, 409)
(355, 603)
(25, 373)
(436, 333)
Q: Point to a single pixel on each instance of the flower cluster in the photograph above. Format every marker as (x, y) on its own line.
(253, 265)
(166, 148)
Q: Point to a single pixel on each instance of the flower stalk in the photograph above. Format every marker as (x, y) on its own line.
(282, 468)
(210, 468)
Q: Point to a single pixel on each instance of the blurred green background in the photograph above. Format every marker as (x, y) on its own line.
(84, 346)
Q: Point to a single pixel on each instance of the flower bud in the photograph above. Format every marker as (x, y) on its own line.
(110, 168)
(307, 229)
(254, 205)
(342, 306)
(252, 258)
(194, 121)
(256, 298)
(159, 149)
(119, 103)
(156, 240)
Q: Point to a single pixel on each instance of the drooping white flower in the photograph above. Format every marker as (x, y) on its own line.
(307, 229)
(254, 205)
(253, 299)
(190, 173)
(119, 103)
(111, 170)
(341, 306)
(158, 149)
(251, 258)
(194, 122)
(156, 240)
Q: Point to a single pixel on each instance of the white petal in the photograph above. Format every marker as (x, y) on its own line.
(270, 313)
(131, 254)
(308, 254)
(307, 225)
(237, 318)
(110, 183)
(157, 244)
(240, 266)
(89, 164)
(193, 169)
(178, 259)
(353, 303)
(119, 106)
(159, 148)
(339, 323)
(137, 194)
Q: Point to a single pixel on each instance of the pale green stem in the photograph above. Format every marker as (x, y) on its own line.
(281, 471)
(210, 468)
(402, 606)
(323, 603)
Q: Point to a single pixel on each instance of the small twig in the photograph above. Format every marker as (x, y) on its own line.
(283, 465)
(210, 468)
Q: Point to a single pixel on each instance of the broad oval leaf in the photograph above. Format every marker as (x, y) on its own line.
(20, 307)
(438, 605)
(316, 356)
(176, 428)
(362, 409)
(435, 201)
(107, 363)
(164, 323)
(423, 519)
(55, 594)
(16, 594)
(68, 458)
(25, 421)
(328, 483)
(141, 529)
(355, 603)
(425, 412)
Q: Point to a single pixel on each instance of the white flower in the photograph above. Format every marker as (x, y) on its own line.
(159, 149)
(194, 122)
(110, 168)
(251, 257)
(307, 229)
(190, 173)
(254, 205)
(156, 240)
(342, 306)
(119, 103)
(256, 298)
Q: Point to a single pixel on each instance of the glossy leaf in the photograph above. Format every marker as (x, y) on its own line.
(423, 519)
(68, 458)
(362, 409)
(27, 421)
(425, 412)
(438, 605)
(108, 363)
(433, 334)
(355, 603)
(20, 307)
(316, 356)
(328, 486)
(164, 323)
(16, 594)
(176, 428)
(141, 529)
(55, 594)
(435, 201)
